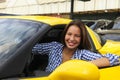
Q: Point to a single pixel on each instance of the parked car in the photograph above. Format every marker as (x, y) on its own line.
(18, 34)
(89, 22)
(96, 24)
(111, 31)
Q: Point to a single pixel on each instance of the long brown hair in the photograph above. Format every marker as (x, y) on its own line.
(84, 44)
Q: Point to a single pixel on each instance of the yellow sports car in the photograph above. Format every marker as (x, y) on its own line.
(18, 34)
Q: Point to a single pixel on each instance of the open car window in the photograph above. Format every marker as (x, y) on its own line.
(54, 34)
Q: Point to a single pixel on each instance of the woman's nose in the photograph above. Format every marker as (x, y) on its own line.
(72, 37)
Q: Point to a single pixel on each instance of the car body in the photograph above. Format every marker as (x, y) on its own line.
(20, 33)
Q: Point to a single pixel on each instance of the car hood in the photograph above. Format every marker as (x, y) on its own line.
(111, 47)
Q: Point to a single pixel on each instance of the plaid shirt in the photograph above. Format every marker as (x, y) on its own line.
(54, 51)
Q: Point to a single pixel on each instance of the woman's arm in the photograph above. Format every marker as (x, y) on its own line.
(101, 62)
(42, 48)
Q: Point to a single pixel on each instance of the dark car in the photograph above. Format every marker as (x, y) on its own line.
(96, 24)
(111, 31)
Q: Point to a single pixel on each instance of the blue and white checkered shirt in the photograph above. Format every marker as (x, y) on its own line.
(54, 51)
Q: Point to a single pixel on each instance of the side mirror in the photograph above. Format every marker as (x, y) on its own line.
(73, 70)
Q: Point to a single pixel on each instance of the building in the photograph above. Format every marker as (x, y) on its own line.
(83, 9)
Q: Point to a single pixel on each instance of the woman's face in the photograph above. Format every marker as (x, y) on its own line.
(73, 37)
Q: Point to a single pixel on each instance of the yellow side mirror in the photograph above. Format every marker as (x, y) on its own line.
(73, 70)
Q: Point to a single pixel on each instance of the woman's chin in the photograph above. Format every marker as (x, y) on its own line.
(71, 47)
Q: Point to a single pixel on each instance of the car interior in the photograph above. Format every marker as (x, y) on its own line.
(39, 62)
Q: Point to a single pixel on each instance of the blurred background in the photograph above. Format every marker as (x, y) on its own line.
(80, 9)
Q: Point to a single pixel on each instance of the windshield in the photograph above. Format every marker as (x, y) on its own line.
(14, 33)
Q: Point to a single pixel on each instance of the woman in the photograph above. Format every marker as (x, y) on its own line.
(75, 45)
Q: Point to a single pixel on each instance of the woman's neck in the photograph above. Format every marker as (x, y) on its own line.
(67, 54)
(68, 51)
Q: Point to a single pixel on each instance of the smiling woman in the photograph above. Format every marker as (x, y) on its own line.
(74, 45)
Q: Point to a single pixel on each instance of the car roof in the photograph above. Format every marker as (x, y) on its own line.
(45, 19)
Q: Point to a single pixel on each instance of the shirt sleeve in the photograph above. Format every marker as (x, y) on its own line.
(43, 48)
(114, 59)
(88, 55)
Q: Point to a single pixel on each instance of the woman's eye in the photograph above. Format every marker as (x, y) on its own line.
(69, 34)
(77, 35)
